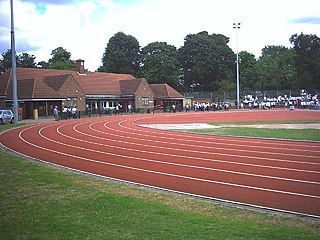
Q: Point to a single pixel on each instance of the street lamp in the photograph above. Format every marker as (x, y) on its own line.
(236, 26)
(14, 66)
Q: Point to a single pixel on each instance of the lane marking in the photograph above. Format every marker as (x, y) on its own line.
(293, 143)
(171, 163)
(207, 139)
(236, 203)
(191, 146)
(160, 173)
(219, 148)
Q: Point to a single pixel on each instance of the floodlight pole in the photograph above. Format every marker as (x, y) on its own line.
(14, 69)
(236, 26)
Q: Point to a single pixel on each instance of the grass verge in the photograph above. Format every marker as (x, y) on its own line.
(41, 202)
(236, 129)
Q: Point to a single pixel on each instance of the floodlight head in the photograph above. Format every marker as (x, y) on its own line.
(236, 25)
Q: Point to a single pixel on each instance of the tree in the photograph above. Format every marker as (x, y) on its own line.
(248, 74)
(121, 55)
(26, 61)
(23, 60)
(6, 61)
(205, 60)
(159, 63)
(307, 61)
(60, 60)
(275, 68)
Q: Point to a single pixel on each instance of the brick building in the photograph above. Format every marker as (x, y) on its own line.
(42, 89)
(165, 96)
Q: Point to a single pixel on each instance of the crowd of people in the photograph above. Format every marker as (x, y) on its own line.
(305, 101)
(67, 113)
(198, 106)
(251, 103)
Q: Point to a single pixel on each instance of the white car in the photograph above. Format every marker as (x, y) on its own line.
(6, 116)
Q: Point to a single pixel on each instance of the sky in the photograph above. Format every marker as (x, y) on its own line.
(84, 27)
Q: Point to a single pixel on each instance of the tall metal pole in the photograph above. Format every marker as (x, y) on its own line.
(14, 69)
(237, 27)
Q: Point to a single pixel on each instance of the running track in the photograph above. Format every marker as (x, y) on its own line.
(270, 174)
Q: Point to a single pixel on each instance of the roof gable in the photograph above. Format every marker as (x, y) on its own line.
(165, 91)
(129, 86)
(33, 89)
(91, 82)
(56, 82)
(42, 90)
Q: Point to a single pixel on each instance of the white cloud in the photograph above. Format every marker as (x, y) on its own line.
(84, 29)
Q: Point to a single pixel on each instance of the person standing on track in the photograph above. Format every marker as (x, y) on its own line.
(56, 113)
(74, 112)
(173, 108)
(65, 113)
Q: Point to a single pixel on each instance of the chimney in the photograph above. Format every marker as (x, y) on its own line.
(80, 66)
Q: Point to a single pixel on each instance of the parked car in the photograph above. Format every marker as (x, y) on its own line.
(6, 116)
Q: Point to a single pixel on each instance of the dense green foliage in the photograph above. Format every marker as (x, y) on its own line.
(307, 62)
(160, 63)
(60, 60)
(205, 60)
(275, 69)
(121, 55)
(204, 63)
(22, 60)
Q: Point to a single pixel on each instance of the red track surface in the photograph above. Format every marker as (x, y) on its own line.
(273, 174)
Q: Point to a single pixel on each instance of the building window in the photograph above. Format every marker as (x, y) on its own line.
(145, 101)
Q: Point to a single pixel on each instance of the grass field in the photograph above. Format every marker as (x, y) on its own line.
(41, 202)
(236, 129)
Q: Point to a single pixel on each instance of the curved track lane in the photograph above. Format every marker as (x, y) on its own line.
(278, 175)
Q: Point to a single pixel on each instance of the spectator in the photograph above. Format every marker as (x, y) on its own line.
(56, 113)
(74, 112)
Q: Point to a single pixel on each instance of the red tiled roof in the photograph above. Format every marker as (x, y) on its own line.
(33, 89)
(165, 91)
(56, 82)
(102, 83)
(91, 82)
(129, 86)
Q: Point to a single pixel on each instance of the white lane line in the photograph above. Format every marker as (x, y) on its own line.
(194, 146)
(212, 153)
(198, 158)
(278, 142)
(225, 138)
(226, 201)
(156, 172)
(173, 155)
(218, 143)
(207, 139)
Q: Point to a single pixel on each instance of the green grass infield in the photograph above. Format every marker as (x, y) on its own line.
(237, 129)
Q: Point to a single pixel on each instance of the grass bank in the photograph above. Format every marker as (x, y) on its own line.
(41, 202)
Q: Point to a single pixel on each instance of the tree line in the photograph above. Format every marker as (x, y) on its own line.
(204, 63)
